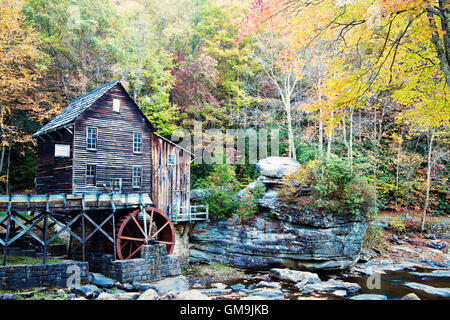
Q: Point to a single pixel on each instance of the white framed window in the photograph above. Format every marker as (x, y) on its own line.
(116, 105)
(91, 138)
(91, 174)
(137, 142)
(137, 177)
(62, 150)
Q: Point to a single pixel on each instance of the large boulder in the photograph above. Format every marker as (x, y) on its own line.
(294, 239)
(277, 167)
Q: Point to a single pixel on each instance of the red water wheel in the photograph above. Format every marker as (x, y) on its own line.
(131, 235)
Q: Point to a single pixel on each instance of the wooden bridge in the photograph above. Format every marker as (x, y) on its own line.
(26, 214)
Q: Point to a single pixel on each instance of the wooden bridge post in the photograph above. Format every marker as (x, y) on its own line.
(5, 252)
(44, 253)
(114, 234)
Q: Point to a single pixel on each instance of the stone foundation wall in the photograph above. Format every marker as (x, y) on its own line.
(181, 249)
(153, 264)
(15, 277)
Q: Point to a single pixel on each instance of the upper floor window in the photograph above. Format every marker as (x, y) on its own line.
(91, 138)
(116, 105)
(137, 177)
(137, 142)
(91, 174)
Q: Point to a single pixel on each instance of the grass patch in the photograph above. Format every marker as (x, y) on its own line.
(215, 272)
(16, 260)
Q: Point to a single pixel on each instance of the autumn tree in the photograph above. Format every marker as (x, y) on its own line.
(21, 67)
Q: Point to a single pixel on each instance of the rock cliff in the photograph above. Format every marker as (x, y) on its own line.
(280, 236)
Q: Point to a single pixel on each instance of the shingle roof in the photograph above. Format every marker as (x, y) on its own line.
(77, 107)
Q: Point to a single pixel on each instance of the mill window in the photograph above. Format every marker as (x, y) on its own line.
(91, 174)
(137, 177)
(91, 138)
(137, 142)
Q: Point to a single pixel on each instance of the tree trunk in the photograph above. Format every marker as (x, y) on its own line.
(344, 132)
(7, 170)
(427, 196)
(320, 134)
(330, 137)
(292, 152)
(350, 138)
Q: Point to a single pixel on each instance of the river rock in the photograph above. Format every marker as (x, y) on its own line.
(264, 294)
(433, 274)
(237, 287)
(7, 296)
(149, 294)
(126, 286)
(268, 284)
(369, 296)
(219, 285)
(87, 291)
(330, 286)
(215, 292)
(442, 292)
(118, 296)
(293, 275)
(163, 287)
(192, 295)
(101, 281)
(410, 296)
(339, 293)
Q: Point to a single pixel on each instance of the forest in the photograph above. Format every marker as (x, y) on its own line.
(358, 88)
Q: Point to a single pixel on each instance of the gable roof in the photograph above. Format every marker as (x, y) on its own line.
(76, 108)
(82, 103)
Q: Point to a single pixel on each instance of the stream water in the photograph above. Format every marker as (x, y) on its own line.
(390, 285)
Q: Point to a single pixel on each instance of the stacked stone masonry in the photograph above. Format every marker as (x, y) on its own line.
(153, 264)
(43, 275)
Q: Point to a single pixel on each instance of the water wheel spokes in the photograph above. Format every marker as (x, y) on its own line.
(131, 235)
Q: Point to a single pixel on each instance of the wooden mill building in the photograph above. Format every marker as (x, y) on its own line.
(105, 177)
(103, 142)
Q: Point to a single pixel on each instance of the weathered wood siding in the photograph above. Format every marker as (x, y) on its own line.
(171, 183)
(54, 174)
(114, 156)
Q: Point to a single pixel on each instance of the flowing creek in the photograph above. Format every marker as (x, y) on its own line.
(391, 284)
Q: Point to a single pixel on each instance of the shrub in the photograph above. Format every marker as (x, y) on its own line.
(335, 188)
(374, 237)
(397, 225)
(221, 202)
(221, 196)
(249, 204)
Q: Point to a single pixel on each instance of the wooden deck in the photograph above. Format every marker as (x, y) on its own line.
(60, 203)
(72, 202)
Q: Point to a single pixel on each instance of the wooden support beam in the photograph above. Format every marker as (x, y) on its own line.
(5, 252)
(44, 254)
